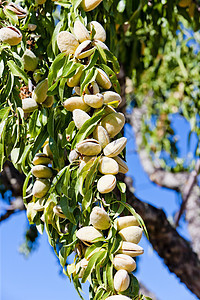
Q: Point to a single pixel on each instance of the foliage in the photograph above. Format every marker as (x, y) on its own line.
(141, 34)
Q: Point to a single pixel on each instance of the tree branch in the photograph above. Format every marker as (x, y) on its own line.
(175, 250)
(156, 174)
(187, 189)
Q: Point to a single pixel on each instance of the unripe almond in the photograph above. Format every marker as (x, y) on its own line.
(99, 218)
(10, 35)
(126, 221)
(80, 117)
(108, 165)
(80, 31)
(41, 159)
(95, 101)
(130, 249)
(47, 151)
(88, 234)
(100, 134)
(40, 92)
(41, 187)
(89, 5)
(124, 262)
(103, 80)
(48, 102)
(121, 281)
(29, 60)
(113, 123)
(131, 234)
(41, 171)
(75, 79)
(75, 103)
(67, 42)
(106, 184)
(100, 31)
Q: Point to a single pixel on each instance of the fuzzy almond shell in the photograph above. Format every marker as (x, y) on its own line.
(67, 42)
(107, 165)
(123, 168)
(40, 188)
(89, 147)
(124, 262)
(113, 123)
(100, 31)
(95, 101)
(106, 184)
(131, 234)
(10, 35)
(99, 218)
(130, 249)
(41, 159)
(115, 147)
(126, 221)
(100, 134)
(41, 171)
(121, 281)
(89, 5)
(88, 234)
(75, 102)
(80, 31)
(80, 117)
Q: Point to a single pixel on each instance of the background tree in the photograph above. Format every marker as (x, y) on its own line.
(164, 72)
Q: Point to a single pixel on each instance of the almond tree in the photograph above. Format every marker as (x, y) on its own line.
(62, 90)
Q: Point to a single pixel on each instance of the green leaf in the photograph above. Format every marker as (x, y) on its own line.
(113, 78)
(70, 68)
(43, 135)
(12, 16)
(76, 3)
(87, 77)
(50, 124)
(1, 156)
(67, 210)
(90, 266)
(54, 36)
(55, 68)
(88, 127)
(101, 53)
(93, 59)
(113, 60)
(25, 187)
(109, 274)
(17, 71)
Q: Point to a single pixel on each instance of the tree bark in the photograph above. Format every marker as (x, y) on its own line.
(175, 250)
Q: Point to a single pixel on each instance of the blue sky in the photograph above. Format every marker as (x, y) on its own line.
(38, 277)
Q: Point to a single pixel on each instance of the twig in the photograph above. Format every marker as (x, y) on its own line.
(187, 190)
